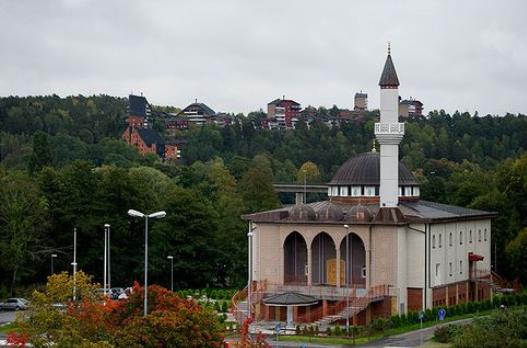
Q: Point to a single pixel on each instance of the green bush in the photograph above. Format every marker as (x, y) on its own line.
(328, 331)
(445, 334)
(337, 331)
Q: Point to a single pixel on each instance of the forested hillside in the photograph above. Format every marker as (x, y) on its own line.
(63, 166)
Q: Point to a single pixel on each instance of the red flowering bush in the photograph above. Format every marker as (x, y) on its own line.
(95, 322)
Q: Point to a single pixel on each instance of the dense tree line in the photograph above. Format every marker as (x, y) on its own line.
(63, 166)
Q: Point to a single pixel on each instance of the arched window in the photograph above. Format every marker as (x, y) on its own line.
(434, 241)
(440, 240)
(460, 237)
(470, 236)
(450, 239)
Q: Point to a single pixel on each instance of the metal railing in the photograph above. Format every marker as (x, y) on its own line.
(396, 128)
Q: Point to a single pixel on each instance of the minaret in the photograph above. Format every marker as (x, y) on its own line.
(389, 133)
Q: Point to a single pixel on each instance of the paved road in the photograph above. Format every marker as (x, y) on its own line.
(6, 316)
(409, 339)
(413, 338)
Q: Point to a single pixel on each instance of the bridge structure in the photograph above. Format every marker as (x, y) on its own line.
(301, 190)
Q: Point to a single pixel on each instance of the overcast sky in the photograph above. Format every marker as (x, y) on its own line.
(237, 55)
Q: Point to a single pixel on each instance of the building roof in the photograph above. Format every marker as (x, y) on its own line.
(290, 299)
(412, 212)
(361, 95)
(204, 108)
(138, 105)
(364, 169)
(279, 102)
(389, 75)
(150, 136)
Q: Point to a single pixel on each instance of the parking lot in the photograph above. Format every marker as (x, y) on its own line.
(6, 316)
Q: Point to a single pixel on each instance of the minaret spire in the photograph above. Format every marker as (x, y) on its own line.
(388, 47)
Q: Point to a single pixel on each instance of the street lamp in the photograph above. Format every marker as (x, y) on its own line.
(74, 263)
(156, 215)
(106, 259)
(348, 276)
(53, 256)
(109, 277)
(171, 258)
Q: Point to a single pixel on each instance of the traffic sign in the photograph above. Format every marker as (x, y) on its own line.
(441, 313)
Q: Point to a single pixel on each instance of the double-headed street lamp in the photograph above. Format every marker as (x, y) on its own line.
(171, 258)
(348, 276)
(106, 272)
(156, 215)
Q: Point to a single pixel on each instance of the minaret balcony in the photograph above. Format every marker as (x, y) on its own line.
(389, 133)
(396, 128)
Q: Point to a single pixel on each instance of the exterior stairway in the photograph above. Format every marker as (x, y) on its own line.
(348, 312)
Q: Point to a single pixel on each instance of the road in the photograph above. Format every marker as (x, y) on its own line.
(7, 316)
(408, 339)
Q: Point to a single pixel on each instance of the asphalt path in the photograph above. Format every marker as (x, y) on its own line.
(7, 316)
(408, 339)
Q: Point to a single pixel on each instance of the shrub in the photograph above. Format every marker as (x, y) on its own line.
(337, 331)
(445, 334)
(298, 330)
(328, 331)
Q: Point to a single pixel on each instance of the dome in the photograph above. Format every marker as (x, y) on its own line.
(330, 212)
(359, 213)
(364, 169)
(302, 212)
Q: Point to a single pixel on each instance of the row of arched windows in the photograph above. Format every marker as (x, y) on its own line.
(451, 238)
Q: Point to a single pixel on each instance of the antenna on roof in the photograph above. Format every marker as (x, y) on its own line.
(389, 49)
(141, 94)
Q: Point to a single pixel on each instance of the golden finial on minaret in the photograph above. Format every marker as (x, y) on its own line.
(389, 50)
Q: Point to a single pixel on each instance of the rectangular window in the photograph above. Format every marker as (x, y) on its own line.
(440, 240)
(369, 191)
(450, 239)
(400, 191)
(460, 267)
(470, 236)
(434, 241)
(335, 191)
(485, 235)
(460, 237)
(479, 235)
(356, 191)
(408, 191)
(437, 269)
(416, 191)
(344, 190)
(450, 269)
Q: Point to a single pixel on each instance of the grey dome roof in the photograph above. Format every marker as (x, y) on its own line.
(330, 212)
(364, 169)
(359, 213)
(302, 212)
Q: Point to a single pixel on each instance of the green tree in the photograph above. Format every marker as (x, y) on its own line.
(23, 223)
(41, 155)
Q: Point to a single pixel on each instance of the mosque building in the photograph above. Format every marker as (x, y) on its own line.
(373, 248)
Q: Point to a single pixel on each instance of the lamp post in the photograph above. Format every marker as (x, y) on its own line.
(74, 263)
(171, 258)
(250, 266)
(105, 261)
(305, 188)
(53, 256)
(347, 278)
(156, 215)
(109, 277)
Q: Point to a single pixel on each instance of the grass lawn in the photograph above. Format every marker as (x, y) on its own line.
(389, 332)
(5, 329)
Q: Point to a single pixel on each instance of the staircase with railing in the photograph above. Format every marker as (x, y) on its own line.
(345, 308)
(493, 280)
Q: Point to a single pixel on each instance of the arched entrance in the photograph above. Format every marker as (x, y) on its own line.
(356, 274)
(323, 255)
(295, 259)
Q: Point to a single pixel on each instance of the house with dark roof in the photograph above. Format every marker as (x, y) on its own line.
(410, 108)
(283, 113)
(198, 113)
(373, 249)
(139, 134)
